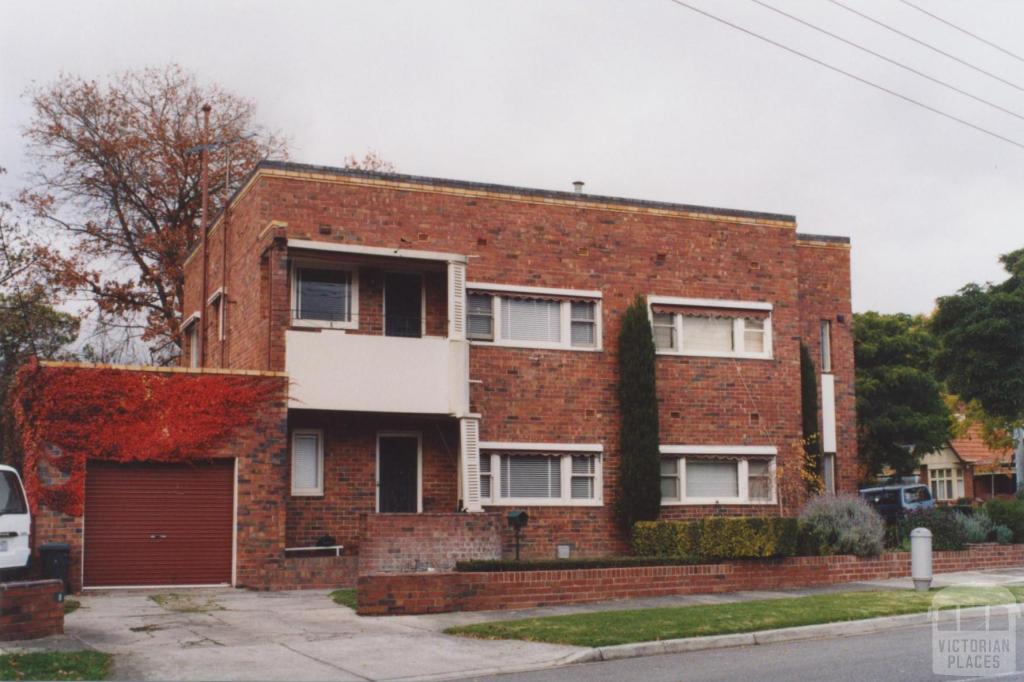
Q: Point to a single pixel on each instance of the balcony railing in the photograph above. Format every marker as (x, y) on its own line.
(374, 373)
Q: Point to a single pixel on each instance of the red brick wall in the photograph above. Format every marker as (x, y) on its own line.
(442, 592)
(399, 543)
(561, 396)
(350, 467)
(31, 609)
(824, 278)
(311, 573)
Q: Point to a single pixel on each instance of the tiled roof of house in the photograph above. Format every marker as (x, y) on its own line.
(971, 447)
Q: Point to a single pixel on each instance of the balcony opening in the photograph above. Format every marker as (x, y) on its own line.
(403, 304)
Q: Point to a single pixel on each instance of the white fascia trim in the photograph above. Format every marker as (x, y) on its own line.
(718, 450)
(709, 303)
(215, 295)
(546, 291)
(194, 317)
(542, 447)
(310, 245)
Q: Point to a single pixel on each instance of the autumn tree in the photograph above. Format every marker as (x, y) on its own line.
(371, 161)
(117, 187)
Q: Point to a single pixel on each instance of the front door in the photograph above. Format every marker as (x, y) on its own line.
(403, 304)
(398, 474)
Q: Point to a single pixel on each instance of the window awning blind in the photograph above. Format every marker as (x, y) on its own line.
(697, 311)
(528, 296)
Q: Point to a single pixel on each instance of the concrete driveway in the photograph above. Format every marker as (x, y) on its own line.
(225, 634)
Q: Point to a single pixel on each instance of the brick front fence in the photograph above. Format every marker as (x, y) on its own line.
(31, 609)
(413, 593)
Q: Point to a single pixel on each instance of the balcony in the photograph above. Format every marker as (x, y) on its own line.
(358, 372)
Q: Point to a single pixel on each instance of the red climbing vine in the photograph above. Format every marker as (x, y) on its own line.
(67, 415)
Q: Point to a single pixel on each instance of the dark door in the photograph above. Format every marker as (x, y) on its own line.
(158, 524)
(403, 304)
(399, 474)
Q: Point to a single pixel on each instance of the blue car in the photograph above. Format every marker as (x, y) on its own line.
(894, 501)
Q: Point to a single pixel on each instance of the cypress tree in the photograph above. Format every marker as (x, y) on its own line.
(639, 458)
(809, 401)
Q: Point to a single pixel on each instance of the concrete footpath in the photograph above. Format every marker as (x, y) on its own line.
(224, 634)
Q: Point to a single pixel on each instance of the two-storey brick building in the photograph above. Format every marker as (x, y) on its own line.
(452, 347)
(437, 353)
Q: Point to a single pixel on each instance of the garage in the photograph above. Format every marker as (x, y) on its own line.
(158, 524)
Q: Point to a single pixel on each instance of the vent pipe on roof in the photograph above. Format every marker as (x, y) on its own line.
(577, 186)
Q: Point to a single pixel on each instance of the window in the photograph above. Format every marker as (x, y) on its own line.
(709, 335)
(670, 480)
(542, 322)
(664, 331)
(480, 317)
(826, 345)
(530, 477)
(324, 296)
(307, 463)
(584, 470)
(583, 323)
(708, 479)
(485, 477)
(946, 483)
(11, 499)
(192, 333)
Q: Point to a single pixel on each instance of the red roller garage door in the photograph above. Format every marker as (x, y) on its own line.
(158, 524)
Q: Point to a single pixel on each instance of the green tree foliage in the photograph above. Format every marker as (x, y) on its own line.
(900, 411)
(639, 459)
(981, 331)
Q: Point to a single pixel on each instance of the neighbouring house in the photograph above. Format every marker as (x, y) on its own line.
(446, 351)
(968, 468)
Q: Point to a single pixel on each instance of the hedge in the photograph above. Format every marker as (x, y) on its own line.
(717, 538)
(492, 566)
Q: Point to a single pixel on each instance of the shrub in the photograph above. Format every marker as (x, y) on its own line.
(978, 525)
(1004, 535)
(842, 524)
(1009, 513)
(747, 538)
(717, 538)
(948, 532)
(664, 538)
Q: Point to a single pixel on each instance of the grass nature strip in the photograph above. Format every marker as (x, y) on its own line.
(607, 628)
(55, 665)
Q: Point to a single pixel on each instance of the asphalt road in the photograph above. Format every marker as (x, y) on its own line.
(903, 655)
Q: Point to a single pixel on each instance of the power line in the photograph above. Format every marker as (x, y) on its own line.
(890, 60)
(962, 30)
(924, 44)
(848, 74)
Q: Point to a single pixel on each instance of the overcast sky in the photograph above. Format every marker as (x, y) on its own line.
(639, 98)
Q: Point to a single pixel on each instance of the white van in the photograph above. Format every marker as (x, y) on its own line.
(15, 523)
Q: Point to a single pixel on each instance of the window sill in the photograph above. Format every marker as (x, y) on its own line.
(713, 502)
(318, 324)
(541, 503)
(533, 346)
(709, 354)
(307, 493)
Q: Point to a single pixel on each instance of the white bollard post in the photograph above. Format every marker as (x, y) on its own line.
(921, 558)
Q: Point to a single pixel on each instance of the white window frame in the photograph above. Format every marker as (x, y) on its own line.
(219, 300)
(741, 454)
(738, 329)
(565, 451)
(955, 479)
(317, 491)
(565, 311)
(191, 327)
(825, 339)
(313, 264)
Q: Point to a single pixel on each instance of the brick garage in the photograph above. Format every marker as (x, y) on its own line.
(31, 609)
(404, 594)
